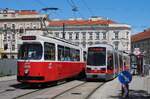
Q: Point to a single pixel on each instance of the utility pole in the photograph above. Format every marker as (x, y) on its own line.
(63, 33)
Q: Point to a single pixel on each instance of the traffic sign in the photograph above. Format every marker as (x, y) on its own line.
(125, 77)
(136, 51)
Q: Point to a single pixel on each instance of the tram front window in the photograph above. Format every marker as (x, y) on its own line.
(30, 51)
(96, 56)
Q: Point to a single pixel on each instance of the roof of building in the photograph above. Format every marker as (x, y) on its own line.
(140, 36)
(80, 22)
(27, 12)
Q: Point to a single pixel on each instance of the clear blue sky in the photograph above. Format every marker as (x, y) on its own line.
(133, 12)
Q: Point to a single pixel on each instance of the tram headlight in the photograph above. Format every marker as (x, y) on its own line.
(26, 71)
(26, 68)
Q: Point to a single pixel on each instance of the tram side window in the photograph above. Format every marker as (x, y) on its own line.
(77, 53)
(84, 55)
(60, 53)
(110, 61)
(49, 51)
(67, 54)
(72, 54)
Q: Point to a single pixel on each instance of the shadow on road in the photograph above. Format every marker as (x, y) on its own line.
(134, 94)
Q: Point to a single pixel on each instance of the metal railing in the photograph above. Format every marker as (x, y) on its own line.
(8, 67)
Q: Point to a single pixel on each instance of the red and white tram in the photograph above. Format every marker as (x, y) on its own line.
(104, 62)
(47, 59)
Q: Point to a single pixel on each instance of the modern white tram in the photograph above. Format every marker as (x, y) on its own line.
(104, 62)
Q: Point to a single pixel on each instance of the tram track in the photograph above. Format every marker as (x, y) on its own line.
(83, 91)
(51, 92)
(76, 89)
(94, 91)
(69, 90)
(12, 88)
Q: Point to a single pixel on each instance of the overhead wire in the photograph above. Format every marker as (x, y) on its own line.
(73, 4)
(88, 8)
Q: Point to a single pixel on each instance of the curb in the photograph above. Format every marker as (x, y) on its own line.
(6, 78)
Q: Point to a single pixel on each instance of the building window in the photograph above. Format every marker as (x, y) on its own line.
(104, 35)
(97, 35)
(5, 26)
(90, 35)
(13, 47)
(34, 26)
(77, 35)
(63, 35)
(13, 28)
(84, 35)
(21, 30)
(127, 35)
(116, 43)
(56, 34)
(116, 34)
(90, 43)
(9, 37)
(70, 35)
(5, 36)
(27, 26)
(5, 46)
(83, 44)
(13, 36)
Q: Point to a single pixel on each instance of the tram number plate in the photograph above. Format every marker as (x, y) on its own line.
(94, 76)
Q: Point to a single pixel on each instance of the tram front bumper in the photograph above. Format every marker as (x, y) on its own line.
(99, 76)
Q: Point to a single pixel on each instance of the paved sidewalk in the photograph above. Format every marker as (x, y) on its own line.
(6, 78)
(139, 89)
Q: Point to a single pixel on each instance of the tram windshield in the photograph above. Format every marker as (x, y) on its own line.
(96, 56)
(30, 51)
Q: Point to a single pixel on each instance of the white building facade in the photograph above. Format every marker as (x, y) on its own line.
(14, 24)
(93, 31)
